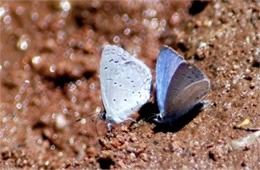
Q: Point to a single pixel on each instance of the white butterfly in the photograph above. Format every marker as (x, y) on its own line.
(125, 84)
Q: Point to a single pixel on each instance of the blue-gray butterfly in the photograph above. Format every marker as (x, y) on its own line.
(126, 84)
(179, 85)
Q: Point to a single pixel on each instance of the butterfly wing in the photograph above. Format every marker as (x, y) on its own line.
(167, 63)
(125, 83)
(187, 87)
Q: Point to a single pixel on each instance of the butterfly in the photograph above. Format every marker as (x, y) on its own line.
(179, 85)
(126, 84)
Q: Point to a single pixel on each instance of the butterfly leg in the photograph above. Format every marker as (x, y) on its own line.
(109, 127)
(206, 103)
(131, 119)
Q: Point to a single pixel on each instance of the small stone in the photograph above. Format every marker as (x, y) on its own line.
(252, 85)
(124, 129)
(144, 157)
(202, 45)
(115, 144)
(174, 146)
(149, 135)
(200, 54)
(91, 160)
(166, 149)
(132, 155)
(243, 164)
(121, 164)
(133, 139)
(130, 149)
(215, 154)
(61, 121)
(91, 151)
(103, 142)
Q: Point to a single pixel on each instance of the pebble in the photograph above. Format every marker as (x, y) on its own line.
(144, 157)
(121, 164)
(132, 155)
(61, 121)
(91, 151)
(133, 138)
(130, 149)
(216, 154)
(124, 129)
(115, 144)
(252, 85)
(166, 149)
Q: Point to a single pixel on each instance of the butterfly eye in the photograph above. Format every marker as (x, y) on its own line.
(159, 117)
(102, 116)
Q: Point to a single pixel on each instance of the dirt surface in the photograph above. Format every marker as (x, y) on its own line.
(50, 54)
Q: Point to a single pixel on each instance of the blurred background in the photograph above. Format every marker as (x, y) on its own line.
(49, 68)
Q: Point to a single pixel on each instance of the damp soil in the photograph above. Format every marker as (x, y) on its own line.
(50, 90)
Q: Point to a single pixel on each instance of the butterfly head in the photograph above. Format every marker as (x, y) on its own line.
(102, 116)
(158, 118)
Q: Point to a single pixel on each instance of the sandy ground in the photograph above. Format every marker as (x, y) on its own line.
(50, 54)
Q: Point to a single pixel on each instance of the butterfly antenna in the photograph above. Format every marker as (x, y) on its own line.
(151, 117)
(86, 116)
(101, 116)
(95, 122)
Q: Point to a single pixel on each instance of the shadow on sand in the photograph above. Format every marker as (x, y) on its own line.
(174, 126)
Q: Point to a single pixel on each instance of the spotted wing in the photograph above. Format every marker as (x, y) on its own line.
(125, 83)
